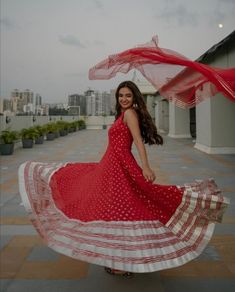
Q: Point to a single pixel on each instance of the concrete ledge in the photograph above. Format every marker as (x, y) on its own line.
(17, 123)
(214, 150)
(97, 127)
(162, 131)
(94, 127)
(179, 136)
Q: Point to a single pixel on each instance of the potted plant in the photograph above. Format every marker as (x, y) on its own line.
(27, 136)
(104, 125)
(71, 127)
(40, 132)
(56, 130)
(74, 126)
(51, 130)
(62, 127)
(7, 139)
(81, 124)
(66, 127)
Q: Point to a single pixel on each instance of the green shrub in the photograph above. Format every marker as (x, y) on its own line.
(62, 125)
(51, 128)
(40, 130)
(81, 124)
(29, 133)
(8, 137)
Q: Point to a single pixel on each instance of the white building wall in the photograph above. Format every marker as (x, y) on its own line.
(179, 123)
(157, 113)
(165, 115)
(161, 114)
(216, 116)
(150, 105)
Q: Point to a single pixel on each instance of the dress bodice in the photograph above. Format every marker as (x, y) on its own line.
(120, 137)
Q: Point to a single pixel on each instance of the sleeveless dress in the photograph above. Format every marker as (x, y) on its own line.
(106, 213)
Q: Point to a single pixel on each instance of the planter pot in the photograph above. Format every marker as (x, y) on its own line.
(39, 140)
(7, 149)
(63, 132)
(50, 136)
(57, 134)
(27, 143)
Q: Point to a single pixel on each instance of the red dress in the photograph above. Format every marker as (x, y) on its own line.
(106, 213)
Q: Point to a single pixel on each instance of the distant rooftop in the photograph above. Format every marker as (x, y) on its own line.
(217, 47)
(144, 85)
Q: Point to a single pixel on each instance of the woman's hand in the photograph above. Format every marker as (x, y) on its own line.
(149, 174)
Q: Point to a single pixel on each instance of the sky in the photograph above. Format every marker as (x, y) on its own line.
(48, 46)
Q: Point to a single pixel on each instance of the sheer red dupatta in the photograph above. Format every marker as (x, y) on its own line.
(177, 78)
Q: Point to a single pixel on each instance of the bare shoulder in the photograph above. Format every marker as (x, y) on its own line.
(132, 122)
(130, 114)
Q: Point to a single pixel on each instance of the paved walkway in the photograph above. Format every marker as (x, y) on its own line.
(28, 265)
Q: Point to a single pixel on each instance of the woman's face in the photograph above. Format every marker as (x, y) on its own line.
(125, 98)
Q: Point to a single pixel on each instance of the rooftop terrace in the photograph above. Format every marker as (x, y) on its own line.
(28, 265)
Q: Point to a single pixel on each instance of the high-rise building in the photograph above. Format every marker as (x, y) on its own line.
(38, 104)
(28, 108)
(58, 105)
(98, 103)
(38, 100)
(21, 99)
(106, 103)
(73, 100)
(90, 102)
(5, 105)
(45, 110)
(77, 104)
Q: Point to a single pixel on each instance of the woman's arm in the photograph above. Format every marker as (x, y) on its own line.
(131, 119)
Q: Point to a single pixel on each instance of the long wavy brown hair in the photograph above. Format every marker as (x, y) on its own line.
(147, 127)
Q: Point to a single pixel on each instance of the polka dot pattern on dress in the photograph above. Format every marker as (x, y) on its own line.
(113, 189)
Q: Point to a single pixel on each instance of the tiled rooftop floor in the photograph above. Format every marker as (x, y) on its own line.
(28, 265)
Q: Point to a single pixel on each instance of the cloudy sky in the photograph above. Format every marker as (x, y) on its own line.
(48, 46)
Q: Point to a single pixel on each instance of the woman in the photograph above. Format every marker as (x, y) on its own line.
(111, 213)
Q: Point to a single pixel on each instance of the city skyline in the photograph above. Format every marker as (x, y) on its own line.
(49, 46)
(65, 100)
(27, 102)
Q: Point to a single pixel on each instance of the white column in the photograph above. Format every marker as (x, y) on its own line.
(150, 103)
(215, 118)
(157, 113)
(179, 123)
